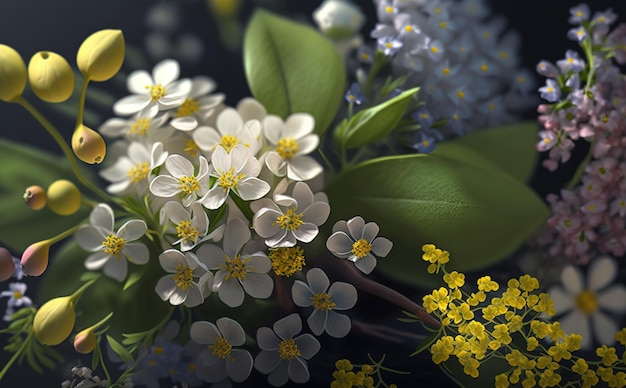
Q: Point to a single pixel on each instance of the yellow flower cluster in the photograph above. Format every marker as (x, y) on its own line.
(345, 377)
(481, 325)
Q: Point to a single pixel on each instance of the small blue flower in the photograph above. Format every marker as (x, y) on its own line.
(551, 92)
(577, 34)
(579, 13)
(571, 62)
(435, 50)
(523, 81)
(354, 95)
(389, 45)
(425, 144)
(423, 116)
(547, 69)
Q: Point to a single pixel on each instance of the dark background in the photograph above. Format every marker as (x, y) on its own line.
(61, 25)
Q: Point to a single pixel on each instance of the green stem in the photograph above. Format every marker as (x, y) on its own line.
(64, 234)
(76, 295)
(81, 102)
(16, 355)
(52, 131)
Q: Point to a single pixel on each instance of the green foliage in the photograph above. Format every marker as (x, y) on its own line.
(292, 68)
(23, 166)
(373, 124)
(510, 148)
(478, 214)
(120, 350)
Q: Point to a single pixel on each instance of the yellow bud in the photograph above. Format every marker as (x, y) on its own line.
(7, 267)
(88, 145)
(225, 8)
(54, 320)
(64, 198)
(35, 258)
(35, 197)
(85, 341)
(50, 76)
(101, 55)
(12, 73)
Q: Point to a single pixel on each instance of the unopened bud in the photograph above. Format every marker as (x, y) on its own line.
(88, 145)
(12, 74)
(50, 76)
(85, 341)
(338, 19)
(101, 55)
(35, 258)
(35, 197)
(7, 267)
(64, 198)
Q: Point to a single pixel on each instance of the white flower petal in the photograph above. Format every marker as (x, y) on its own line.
(355, 227)
(340, 244)
(251, 109)
(563, 301)
(613, 299)
(232, 331)
(344, 295)
(179, 166)
(206, 138)
(164, 186)
(185, 123)
(298, 371)
(102, 216)
(381, 246)
(132, 230)
(604, 328)
(317, 321)
(318, 281)
(229, 122)
(203, 332)
(116, 269)
(239, 365)
(301, 294)
(306, 232)
(165, 287)
(370, 231)
(97, 260)
(194, 296)
(572, 279)
(178, 297)
(276, 164)
(267, 339)
(264, 222)
(90, 238)
(366, 264)
(214, 198)
(317, 213)
(236, 235)
(165, 72)
(298, 125)
(288, 326)
(576, 322)
(308, 345)
(138, 80)
(274, 128)
(136, 253)
(602, 271)
(308, 144)
(258, 285)
(220, 160)
(211, 255)
(251, 188)
(231, 293)
(259, 262)
(131, 104)
(337, 325)
(267, 360)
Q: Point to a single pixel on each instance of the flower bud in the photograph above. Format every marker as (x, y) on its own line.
(35, 258)
(101, 55)
(88, 145)
(338, 19)
(50, 76)
(35, 197)
(12, 74)
(54, 320)
(64, 198)
(85, 341)
(225, 8)
(7, 267)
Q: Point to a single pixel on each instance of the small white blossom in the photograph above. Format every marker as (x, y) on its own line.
(231, 129)
(191, 226)
(180, 287)
(17, 296)
(182, 180)
(198, 106)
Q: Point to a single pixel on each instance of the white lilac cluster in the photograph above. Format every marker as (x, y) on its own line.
(586, 97)
(224, 193)
(465, 63)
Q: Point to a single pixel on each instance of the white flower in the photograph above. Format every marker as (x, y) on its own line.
(236, 171)
(182, 180)
(289, 218)
(111, 248)
(237, 271)
(231, 130)
(133, 173)
(139, 127)
(356, 240)
(582, 303)
(250, 109)
(17, 297)
(191, 226)
(161, 89)
(340, 296)
(220, 360)
(283, 355)
(180, 288)
(198, 106)
(338, 19)
(293, 140)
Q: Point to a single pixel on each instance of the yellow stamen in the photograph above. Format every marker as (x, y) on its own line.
(188, 184)
(287, 147)
(138, 172)
(156, 91)
(361, 247)
(321, 301)
(187, 232)
(114, 245)
(221, 347)
(189, 107)
(587, 302)
(290, 220)
(288, 350)
(183, 277)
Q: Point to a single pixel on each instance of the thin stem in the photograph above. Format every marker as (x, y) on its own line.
(81, 102)
(65, 234)
(16, 355)
(52, 131)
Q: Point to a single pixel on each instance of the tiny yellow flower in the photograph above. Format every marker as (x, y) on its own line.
(590, 379)
(502, 381)
(343, 364)
(476, 298)
(454, 279)
(528, 283)
(620, 336)
(531, 343)
(580, 367)
(442, 349)
(608, 355)
(487, 285)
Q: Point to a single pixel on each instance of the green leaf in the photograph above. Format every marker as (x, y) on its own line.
(478, 215)
(120, 350)
(426, 343)
(134, 277)
(292, 68)
(374, 124)
(23, 166)
(510, 148)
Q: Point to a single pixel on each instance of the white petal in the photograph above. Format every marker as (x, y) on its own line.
(563, 301)
(170, 259)
(201, 85)
(220, 160)
(203, 332)
(602, 271)
(178, 297)
(299, 125)
(370, 231)
(276, 164)
(137, 253)
(267, 360)
(366, 264)
(102, 216)
(116, 269)
(229, 122)
(264, 222)
(236, 235)
(317, 321)
(251, 109)
(288, 326)
(613, 299)
(138, 80)
(251, 188)
(337, 325)
(97, 260)
(306, 232)
(239, 365)
(604, 328)
(206, 138)
(572, 279)
(165, 287)
(576, 322)
(355, 227)
(232, 331)
(179, 166)
(317, 213)
(303, 195)
(259, 262)
(308, 144)
(165, 72)
(344, 295)
(274, 128)
(175, 212)
(308, 345)
(185, 123)
(194, 296)
(164, 186)
(318, 281)
(132, 230)
(231, 293)
(298, 371)
(267, 339)
(131, 104)
(340, 244)
(114, 127)
(381, 246)
(90, 238)
(214, 198)
(301, 294)
(258, 285)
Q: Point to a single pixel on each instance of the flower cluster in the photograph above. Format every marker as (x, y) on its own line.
(511, 324)
(585, 96)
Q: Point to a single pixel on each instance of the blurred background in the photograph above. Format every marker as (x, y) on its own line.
(204, 43)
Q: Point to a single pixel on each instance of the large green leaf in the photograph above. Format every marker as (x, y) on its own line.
(375, 123)
(292, 68)
(23, 166)
(510, 148)
(478, 214)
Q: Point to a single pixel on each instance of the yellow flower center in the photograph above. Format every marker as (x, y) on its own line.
(188, 184)
(156, 91)
(290, 220)
(321, 301)
(484, 68)
(236, 268)
(139, 172)
(228, 180)
(158, 350)
(389, 9)
(287, 261)
(361, 248)
(486, 34)
(460, 94)
(287, 147)
(189, 107)
(521, 79)
(503, 55)
(437, 10)
(221, 347)
(587, 302)
(228, 142)
(288, 349)
(187, 232)
(408, 28)
(140, 127)
(113, 245)
(183, 277)
(443, 25)
(434, 49)
(446, 71)
(17, 295)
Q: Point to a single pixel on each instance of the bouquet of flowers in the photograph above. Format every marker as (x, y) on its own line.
(364, 214)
